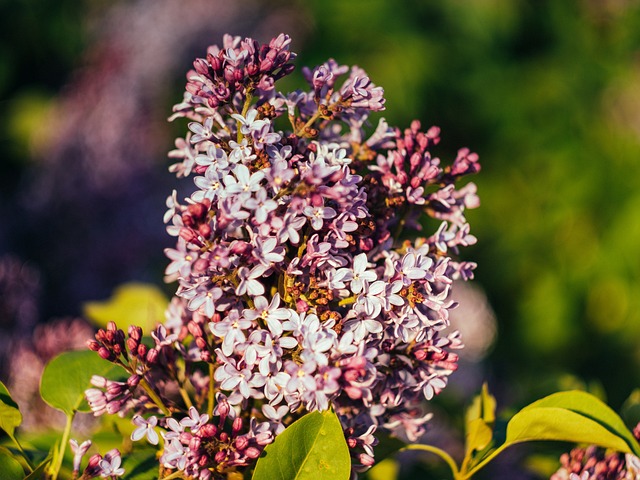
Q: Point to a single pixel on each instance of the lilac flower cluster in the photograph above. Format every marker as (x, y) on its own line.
(298, 286)
(593, 463)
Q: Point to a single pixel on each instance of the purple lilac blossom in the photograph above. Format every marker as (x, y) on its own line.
(296, 289)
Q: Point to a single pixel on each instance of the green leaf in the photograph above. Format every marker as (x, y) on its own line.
(10, 468)
(10, 416)
(387, 445)
(38, 472)
(311, 448)
(67, 376)
(479, 420)
(131, 304)
(573, 416)
(388, 469)
(630, 411)
(483, 406)
(551, 423)
(141, 465)
(478, 436)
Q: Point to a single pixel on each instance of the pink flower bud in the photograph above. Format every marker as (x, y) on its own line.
(152, 355)
(106, 354)
(252, 452)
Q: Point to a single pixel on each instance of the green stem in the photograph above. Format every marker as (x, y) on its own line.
(63, 446)
(23, 453)
(441, 453)
(245, 109)
(310, 122)
(177, 474)
(212, 392)
(484, 461)
(185, 398)
(348, 300)
(154, 396)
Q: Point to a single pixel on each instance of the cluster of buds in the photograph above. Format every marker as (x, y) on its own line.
(594, 463)
(302, 282)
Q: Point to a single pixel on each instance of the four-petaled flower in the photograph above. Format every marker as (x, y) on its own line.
(146, 427)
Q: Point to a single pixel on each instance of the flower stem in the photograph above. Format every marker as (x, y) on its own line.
(441, 453)
(185, 397)
(211, 395)
(245, 109)
(63, 446)
(177, 474)
(154, 396)
(484, 461)
(310, 122)
(23, 453)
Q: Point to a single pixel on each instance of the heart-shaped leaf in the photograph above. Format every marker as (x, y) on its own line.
(10, 468)
(131, 304)
(595, 415)
(10, 416)
(311, 448)
(67, 376)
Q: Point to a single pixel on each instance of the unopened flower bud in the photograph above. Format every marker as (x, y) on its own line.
(93, 468)
(194, 329)
(241, 442)
(93, 345)
(132, 345)
(236, 426)
(220, 456)
(252, 452)
(135, 332)
(106, 354)
(204, 230)
(133, 380)
(114, 406)
(207, 431)
(197, 210)
(152, 355)
(142, 350)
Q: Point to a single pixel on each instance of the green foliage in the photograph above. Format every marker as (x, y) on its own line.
(38, 472)
(131, 304)
(573, 416)
(630, 411)
(479, 420)
(311, 448)
(576, 417)
(387, 469)
(141, 465)
(10, 416)
(10, 468)
(67, 376)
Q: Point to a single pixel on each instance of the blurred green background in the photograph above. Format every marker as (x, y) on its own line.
(547, 92)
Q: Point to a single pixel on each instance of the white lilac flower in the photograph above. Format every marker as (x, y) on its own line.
(202, 131)
(249, 123)
(194, 421)
(110, 464)
(146, 428)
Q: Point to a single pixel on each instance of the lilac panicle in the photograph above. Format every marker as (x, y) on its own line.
(296, 289)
